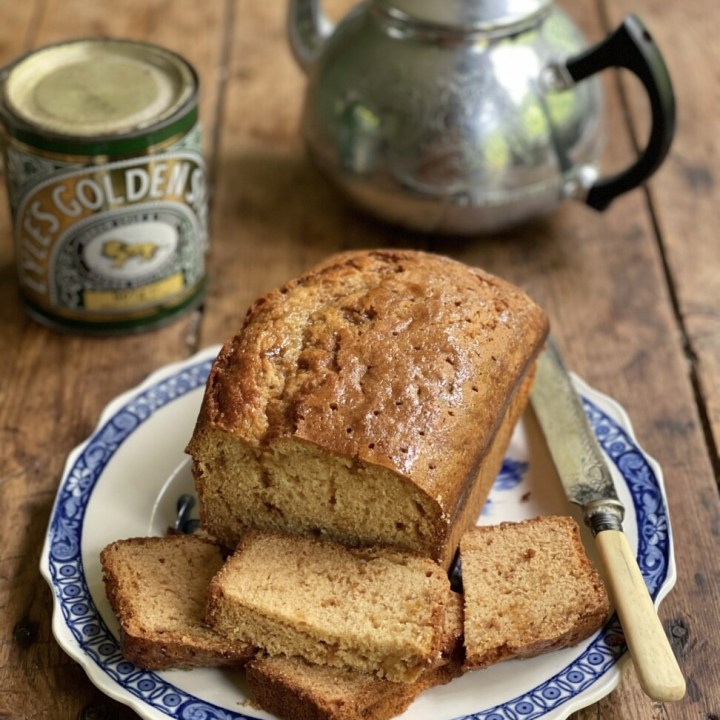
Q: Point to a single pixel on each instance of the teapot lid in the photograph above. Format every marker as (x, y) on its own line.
(466, 15)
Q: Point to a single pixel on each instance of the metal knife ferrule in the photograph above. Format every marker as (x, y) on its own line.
(604, 515)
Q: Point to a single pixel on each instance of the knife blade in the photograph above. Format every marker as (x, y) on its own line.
(588, 482)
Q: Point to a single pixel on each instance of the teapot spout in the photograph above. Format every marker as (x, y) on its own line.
(307, 28)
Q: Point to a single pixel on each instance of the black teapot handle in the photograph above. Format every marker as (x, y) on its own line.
(631, 46)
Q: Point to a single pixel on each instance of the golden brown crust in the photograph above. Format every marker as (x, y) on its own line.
(182, 653)
(397, 359)
(331, 695)
(489, 467)
(403, 333)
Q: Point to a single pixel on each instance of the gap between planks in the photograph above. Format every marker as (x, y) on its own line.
(195, 321)
(670, 283)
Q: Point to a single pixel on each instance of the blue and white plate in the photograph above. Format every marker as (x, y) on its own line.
(125, 480)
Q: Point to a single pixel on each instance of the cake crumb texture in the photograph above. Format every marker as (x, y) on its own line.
(157, 587)
(375, 610)
(529, 587)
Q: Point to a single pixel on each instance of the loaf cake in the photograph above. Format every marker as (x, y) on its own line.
(528, 588)
(369, 401)
(376, 610)
(157, 588)
(296, 690)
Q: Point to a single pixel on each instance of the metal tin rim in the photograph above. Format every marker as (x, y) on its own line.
(18, 126)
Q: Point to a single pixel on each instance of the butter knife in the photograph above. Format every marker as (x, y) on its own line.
(588, 483)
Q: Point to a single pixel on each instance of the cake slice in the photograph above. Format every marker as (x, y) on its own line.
(529, 588)
(375, 610)
(296, 690)
(157, 588)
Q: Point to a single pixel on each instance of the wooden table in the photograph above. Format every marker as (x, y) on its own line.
(633, 295)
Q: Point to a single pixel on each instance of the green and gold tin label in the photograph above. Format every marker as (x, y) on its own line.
(101, 240)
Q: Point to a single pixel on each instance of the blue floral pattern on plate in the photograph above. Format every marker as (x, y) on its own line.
(511, 474)
(73, 599)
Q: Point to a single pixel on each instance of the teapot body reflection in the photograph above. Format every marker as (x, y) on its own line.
(464, 116)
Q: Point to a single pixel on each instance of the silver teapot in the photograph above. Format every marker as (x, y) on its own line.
(468, 116)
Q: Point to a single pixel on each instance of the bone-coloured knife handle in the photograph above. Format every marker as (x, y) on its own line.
(657, 669)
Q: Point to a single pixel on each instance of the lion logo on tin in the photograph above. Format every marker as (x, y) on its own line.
(120, 252)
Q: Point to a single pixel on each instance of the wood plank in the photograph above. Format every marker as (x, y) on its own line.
(196, 34)
(685, 192)
(274, 215)
(60, 383)
(684, 197)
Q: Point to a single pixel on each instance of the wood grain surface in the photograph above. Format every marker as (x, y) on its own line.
(633, 296)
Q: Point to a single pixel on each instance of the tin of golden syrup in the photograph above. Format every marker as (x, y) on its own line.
(106, 183)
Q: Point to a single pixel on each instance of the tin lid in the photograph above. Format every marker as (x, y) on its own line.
(94, 88)
(467, 15)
